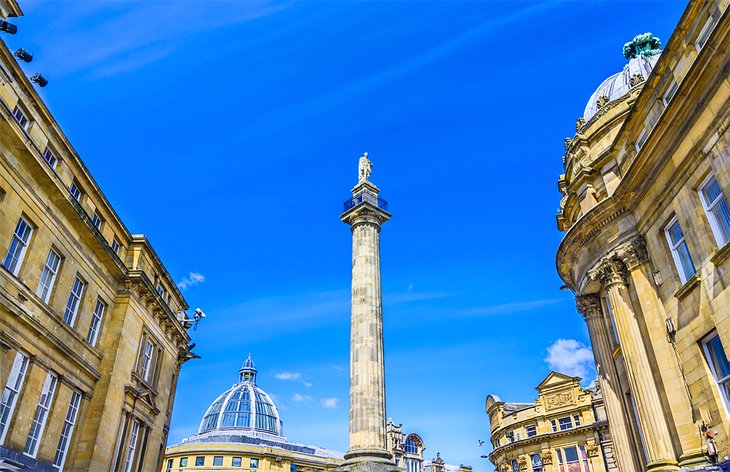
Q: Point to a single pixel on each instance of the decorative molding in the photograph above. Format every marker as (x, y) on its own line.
(559, 400)
(615, 266)
(589, 306)
(610, 271)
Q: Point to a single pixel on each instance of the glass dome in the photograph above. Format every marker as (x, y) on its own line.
(244, 406)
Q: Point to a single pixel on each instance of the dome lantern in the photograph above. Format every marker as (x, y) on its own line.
(247, 372)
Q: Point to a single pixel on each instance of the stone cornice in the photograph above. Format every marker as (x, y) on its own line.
(547, 436)
(138, 282)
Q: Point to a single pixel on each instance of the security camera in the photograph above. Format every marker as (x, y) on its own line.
(39, 79)
(199, 315)
(23, 55)
(9, 28)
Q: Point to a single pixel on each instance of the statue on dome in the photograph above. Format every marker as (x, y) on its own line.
(364, 167)
(644, 45)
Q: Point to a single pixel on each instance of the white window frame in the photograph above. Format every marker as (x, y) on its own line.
(21, 117)
(530, 428)
(673, 247)
(722, 234)
(48, 275)
(41, 415)
(96, 318)
(116, 246)
(74, 301)
(642, 139)
(75, 191)
(50, 157)
(131, 448)
(671, 92)
(147, 355)
(11, 393)
(64, 441)
(705, 32)
(724, 392)
(97, 221)
(18, 246)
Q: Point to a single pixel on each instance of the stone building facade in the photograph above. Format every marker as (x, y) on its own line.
(564, 430)
(407, 449)
(90, 340)
(647, 224)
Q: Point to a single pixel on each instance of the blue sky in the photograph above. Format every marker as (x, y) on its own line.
(229, 132)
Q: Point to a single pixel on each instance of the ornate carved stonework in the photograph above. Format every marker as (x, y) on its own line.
(524, 462)
(592, 450)
(636, 79)
(632, 252)
(566, 143)
(547, 458)
(610, 271)
(579, 123)
(589, 305)
(602, 101)
(614, 267)
(559, 400)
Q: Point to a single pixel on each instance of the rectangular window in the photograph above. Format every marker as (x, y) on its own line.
(67, 431)
(254, 464)
(719, 365)
(671, 92)
(716, 208)
(217, 460)
(41, 414)
(641, 140)
(565, 423)
(236, 462)
(536, 462)
(50, 158)
(96, 318)
(74, 300)
(169, 465)
(147, 355)
(293, 468)
(48, 276)
(680, 251)
(116, 246)
(531, 431)
(18, 246)
(75, 191)
(20, 117)
(576, 420)
(129, 461)
(96, 221)
(183, 462)
(199, 461)
(160, 290)
(705, 33)
(554, 425)
(11, 392)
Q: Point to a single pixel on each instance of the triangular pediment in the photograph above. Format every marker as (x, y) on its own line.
(556, 380)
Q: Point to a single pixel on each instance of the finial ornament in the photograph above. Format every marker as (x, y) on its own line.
(364, 168)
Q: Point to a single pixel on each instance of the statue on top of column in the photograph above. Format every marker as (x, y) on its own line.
(364, 167)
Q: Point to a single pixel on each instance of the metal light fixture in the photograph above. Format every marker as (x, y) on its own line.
(9, 28)
(23, 55)
(39, 79)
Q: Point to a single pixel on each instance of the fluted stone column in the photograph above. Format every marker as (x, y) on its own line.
(368, 450)
(613, 274)
(590, 307)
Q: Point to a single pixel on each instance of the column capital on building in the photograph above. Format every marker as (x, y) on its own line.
(610, 271)
(633, 252)
(589, 306)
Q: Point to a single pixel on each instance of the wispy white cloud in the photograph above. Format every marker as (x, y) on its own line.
(512, 307)
(136, 33)
(193, 278)
(299, 398)
(307, 384)
(330, 403)
(288, 375)
(570, 357)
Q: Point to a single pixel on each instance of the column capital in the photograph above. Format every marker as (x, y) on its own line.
(589, 306)
(632, 252)
(610, 271)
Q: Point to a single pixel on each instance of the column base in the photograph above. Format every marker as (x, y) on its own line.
(368, 460)
(662, 465)
(693, 459)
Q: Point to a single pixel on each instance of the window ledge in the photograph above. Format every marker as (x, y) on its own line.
(721, 254)
(688, 286)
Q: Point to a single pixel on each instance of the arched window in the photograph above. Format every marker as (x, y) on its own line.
(515, 466)
(411, 447)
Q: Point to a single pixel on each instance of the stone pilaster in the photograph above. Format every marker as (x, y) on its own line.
(612, 272)
(590, 307)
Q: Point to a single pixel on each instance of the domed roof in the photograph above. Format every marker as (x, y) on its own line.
(244, 406)
(619, 84)
(642, 52)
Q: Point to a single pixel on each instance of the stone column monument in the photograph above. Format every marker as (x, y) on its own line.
(365, 212)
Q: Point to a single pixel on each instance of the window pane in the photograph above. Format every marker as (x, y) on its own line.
(217, 460)
(719, 359)
(571, 454)
(688, 267)
(236, 462)
(11, 391)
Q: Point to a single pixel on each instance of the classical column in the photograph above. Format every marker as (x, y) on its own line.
(590, 307)
(365, 212)
(613, 274)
